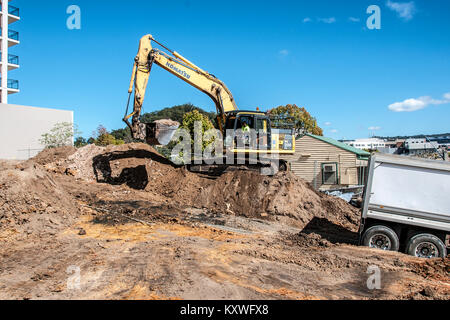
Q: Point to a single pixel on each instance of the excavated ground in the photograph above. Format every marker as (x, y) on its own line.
(137, 227)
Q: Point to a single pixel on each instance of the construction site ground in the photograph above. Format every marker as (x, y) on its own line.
(137, 227)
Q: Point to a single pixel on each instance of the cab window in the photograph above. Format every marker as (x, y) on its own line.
(246, 119)
(261, 125)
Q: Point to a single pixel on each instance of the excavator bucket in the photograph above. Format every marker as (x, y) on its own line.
(160, 132)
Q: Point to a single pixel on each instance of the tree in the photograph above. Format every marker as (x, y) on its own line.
(122, 134)
(189, 120)
(176, 113)
(104, 138)
(301, 119)
(189, 123)
(60, 135)
(80, 142)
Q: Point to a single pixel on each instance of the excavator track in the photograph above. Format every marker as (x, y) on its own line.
(268, 167)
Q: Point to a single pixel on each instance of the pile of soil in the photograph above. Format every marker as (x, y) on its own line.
(31, 200)
(242, 193)
(53, 155)
(253, 195)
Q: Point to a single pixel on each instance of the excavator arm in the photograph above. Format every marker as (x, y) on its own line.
(182, 68)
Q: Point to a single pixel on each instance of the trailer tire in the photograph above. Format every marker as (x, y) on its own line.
(381, 237)
(426, 245)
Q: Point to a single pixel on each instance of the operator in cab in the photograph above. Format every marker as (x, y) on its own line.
(245, 127)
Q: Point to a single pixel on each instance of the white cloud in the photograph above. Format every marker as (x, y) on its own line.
(307, 20)
(327, 123)
(353, 19)
(374, 128)
(327, 20)
(334, 131)
(412, 104)
(284, 52)
(405, 10)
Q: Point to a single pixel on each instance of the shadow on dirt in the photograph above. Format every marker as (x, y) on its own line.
(134, 177)
(330, 231)
(123, 212)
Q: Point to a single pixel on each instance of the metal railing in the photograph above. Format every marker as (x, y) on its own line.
(13, 11)
(13, 35)
(12, 84)
(12, 59)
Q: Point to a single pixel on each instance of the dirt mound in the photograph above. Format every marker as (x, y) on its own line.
(251, 194)
(31, 201)
(104, 164)
(53, 155)
(244, 193)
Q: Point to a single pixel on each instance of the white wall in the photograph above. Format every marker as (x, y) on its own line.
(21, 128)
(371, 143)
(421, 144)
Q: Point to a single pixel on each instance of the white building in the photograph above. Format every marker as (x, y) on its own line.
(22, 127)
(8, 39)
(368, 144)
(420, 144)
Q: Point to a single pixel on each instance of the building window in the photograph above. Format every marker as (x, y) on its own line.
(330, 173)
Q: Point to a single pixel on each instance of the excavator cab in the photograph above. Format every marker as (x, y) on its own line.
(247, 130)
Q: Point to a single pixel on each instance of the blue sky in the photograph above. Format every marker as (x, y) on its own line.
(317, 54)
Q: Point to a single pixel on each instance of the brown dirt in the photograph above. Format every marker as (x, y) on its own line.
(139, 227)
(242, 193)
(53, 155)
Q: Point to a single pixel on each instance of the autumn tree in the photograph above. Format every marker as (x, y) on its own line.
(298, 116)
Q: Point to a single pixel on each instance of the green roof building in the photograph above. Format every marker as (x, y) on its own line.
(327, 163)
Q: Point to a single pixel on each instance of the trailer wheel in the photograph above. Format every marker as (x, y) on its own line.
(381, 237)
(426, 246)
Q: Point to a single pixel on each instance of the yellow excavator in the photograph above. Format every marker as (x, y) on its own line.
(266, 140)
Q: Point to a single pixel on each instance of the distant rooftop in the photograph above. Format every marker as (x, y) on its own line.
(361, 153)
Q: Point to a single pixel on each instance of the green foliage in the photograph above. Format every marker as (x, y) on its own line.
(188, 123)
(80, 142)
(176, 113)
(104, 138)
(60, 135)
(165, 151)
(299, 117)
(122, 134)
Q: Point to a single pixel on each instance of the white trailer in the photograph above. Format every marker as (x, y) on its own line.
(407, 206)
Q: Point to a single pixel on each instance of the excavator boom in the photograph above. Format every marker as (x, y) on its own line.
(182, 68)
